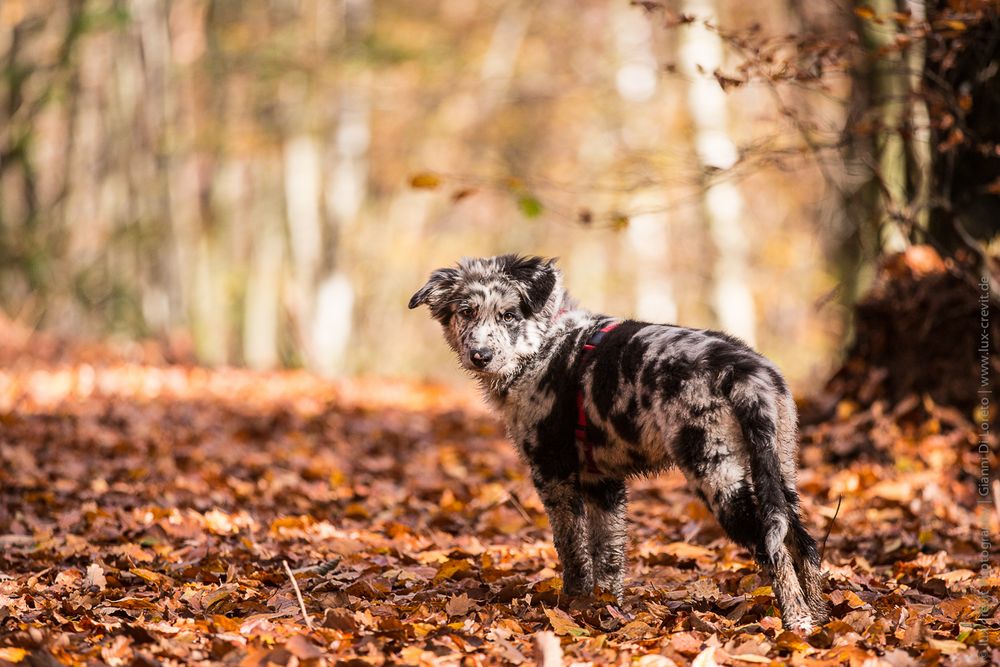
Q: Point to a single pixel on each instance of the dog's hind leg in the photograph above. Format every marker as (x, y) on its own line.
(709, 458)
(795, 611)
(800, 543)
(606, 502)
(757, 406)
(736, 509)
(806, 559)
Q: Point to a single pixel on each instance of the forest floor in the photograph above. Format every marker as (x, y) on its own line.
(147, 511)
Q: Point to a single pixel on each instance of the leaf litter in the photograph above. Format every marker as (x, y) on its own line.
(147, 508)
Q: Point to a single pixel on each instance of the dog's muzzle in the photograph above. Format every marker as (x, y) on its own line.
(481, 357)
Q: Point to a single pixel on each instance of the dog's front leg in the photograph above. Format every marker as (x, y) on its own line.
(567, 515)
(607, 503)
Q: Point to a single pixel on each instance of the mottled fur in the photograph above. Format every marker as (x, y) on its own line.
(655, 396)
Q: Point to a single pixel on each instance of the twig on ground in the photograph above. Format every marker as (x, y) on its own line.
(319, 569)
(298, 594)
(518, 506)
(829, 529)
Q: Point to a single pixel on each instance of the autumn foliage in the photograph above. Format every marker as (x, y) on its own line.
(147, 509)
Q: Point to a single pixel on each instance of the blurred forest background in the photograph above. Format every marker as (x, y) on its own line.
(266, 183)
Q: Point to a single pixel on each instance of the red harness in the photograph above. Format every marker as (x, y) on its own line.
(581, 413)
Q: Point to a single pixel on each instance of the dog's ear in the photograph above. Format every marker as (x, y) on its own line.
(440, 284)
(535, 278)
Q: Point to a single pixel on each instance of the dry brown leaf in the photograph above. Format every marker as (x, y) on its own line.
(563, 623)
(459, 605)
(302, 648)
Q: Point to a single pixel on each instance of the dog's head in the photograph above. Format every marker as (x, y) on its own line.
(495, 310)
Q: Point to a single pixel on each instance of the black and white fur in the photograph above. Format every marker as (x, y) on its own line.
(655, 396)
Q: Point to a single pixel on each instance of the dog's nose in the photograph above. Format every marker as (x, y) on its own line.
(481, 356)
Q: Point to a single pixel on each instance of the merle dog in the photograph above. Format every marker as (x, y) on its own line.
(591, 401)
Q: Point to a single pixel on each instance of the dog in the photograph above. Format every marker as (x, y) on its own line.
(591, 401)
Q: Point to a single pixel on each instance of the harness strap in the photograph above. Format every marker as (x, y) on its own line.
(581, 413)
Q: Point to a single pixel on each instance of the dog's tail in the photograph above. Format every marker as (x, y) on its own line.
(754, 403)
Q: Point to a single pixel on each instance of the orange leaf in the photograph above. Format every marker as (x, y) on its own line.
(148, 575)
(849, 597)
(14, 655)
(451, 568)
(425, 181)
(686, 551)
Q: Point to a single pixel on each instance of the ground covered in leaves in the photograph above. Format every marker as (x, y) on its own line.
(146, 510)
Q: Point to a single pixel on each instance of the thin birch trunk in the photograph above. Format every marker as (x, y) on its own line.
(920, 142)
(722, 203)
(648, 233)
(199, 256)
(889, 88)
(345, 190)
(500, 61)
(262, 299)
(164, 301)
(305, 232)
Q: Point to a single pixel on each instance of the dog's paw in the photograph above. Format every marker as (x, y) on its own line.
(803, 626)
(577, 587)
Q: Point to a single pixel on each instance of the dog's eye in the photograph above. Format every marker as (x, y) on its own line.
(466, 312)
(509, 317)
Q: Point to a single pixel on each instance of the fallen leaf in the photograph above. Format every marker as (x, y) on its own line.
(563, 623)
(850, 598)
(459, 605)
(451, 569)
(685, 642)
(750, 657)
(684, 550)
(706, 658)
(14, 655)
(302, 648)
(95, 577)
(947, 646)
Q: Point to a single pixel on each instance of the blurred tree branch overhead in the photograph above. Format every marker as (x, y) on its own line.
(266, 182)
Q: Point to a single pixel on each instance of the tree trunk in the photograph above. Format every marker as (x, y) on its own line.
(889, 87)
(648, 232)
(722, 202)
